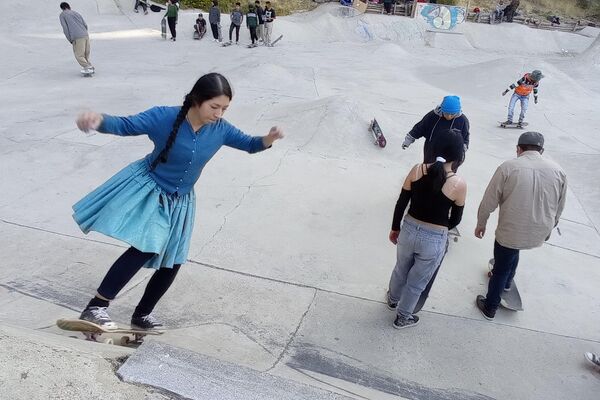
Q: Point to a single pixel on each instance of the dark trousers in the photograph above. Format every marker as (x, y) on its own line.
(125, 268)
(237, 32)
(387, 7)
(506, 261)
(172, 21)
(215, 30)
(253, 34)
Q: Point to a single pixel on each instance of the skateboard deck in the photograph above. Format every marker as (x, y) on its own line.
(87, 74)
(375, 129)
(163, 28)
(226, 44)
(509, 299)
(513, 125)
(274, 42)
(453, 233)
(250, 46)
(93, 332)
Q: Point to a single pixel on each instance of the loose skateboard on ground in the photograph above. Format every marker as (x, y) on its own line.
(226, 44)
(509, 299)
(163, 28)
(274, 42)
(93, 332)
(375, 129)
(513, 125)
(454, 234)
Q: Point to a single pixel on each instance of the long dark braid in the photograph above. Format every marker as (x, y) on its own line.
(164, 154)
(207, 87)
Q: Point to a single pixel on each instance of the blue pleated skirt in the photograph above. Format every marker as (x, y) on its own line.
(132, 208)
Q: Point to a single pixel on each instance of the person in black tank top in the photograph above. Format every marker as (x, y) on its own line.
(436, 196)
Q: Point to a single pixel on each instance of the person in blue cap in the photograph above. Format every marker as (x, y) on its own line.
(435, 125)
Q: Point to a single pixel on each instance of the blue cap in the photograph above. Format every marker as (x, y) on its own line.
(451, 105)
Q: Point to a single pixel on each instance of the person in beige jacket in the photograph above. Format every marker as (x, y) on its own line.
(530, 191)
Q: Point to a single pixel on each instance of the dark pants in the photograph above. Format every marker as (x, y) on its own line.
(237, 32)
(140, 3)
(172, 21)
(506, 261)
(215, 30)
(125, 268)
(387, 7)
(253, 34)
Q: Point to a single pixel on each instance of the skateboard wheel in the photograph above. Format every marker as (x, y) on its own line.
(455, 239)
(489, 274)
(125, 340)
(109, 341)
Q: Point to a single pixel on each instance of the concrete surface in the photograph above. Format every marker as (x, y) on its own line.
(290, 258)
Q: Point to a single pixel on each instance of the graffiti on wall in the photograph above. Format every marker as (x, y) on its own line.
(440, 16)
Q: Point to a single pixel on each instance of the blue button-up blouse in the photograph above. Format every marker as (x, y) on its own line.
(190, 151)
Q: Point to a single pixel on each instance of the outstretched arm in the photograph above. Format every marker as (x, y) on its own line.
(133, 125)
(252, 144)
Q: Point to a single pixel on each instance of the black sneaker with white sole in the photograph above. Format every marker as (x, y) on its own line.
(487, 314)
(403, 322)
(146, 322)
(98, 316)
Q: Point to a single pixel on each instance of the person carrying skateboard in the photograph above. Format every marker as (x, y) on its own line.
(531, 192)
(448, 115)
(269, 16)
(150, 204)
(214, 18)
(76, 32)
(171, 15)
(200, 26)
(236, 21)
(523, 88)
(436, 196)
(252, 24)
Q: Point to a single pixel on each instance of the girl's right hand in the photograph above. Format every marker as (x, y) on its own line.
(394, 236)
(89, 120)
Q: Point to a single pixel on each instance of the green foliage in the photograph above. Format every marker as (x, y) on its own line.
(449, 2)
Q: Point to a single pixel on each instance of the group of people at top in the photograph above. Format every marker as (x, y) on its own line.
(259, 22)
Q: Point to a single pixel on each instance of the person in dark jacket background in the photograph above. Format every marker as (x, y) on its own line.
(510, 10)
(436, 123)
(214, 18)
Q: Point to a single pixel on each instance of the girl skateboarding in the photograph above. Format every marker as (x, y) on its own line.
(150, 204)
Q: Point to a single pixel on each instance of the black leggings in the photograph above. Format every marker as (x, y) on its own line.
(172, 23)
(253, 35)
(125, 268)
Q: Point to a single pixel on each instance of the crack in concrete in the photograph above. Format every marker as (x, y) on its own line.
(293, 336)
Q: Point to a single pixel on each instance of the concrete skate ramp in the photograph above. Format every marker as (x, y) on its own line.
(195, 376)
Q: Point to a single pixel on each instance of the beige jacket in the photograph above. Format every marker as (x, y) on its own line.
(531, 193)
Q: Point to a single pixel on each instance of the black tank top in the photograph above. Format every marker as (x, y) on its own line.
(427, 206)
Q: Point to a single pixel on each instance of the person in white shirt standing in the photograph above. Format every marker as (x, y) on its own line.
(531, 192)
(76, 32)
(268, 17)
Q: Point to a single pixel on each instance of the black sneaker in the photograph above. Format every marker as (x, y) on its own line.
(98, 316)
(391, 304)
(480, 302)
(593, 359)
(402, 322)
(145, 322)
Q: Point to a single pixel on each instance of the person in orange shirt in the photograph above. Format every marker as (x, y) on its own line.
(527, 84)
